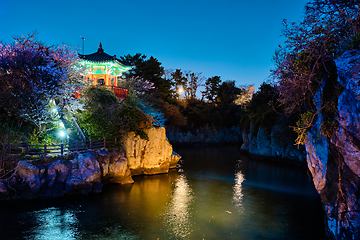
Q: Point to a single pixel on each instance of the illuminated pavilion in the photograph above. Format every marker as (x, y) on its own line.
(104, 69)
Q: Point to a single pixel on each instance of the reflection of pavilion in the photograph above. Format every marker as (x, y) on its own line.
(104, 69)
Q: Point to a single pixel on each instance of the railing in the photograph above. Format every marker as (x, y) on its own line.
(119, 92)
(54, 150)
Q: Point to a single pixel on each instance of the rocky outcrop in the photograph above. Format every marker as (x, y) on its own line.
(85, 175)
(86, 172)
(334, 161)
(273, 143)
(114, 167)
(205, 135)
(151, 156)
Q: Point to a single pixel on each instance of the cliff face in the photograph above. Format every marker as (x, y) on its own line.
(151, 156)
(334, 161)
(273, 143)
(205, 135)
(87, 172)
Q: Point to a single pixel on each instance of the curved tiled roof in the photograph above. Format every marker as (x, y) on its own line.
(101, 56)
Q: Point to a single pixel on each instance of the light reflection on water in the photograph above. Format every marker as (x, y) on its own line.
(177, 215)
(54, 223)
(238, 193)
(216, 197)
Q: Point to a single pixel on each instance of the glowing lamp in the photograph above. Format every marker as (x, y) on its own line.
(62, 134)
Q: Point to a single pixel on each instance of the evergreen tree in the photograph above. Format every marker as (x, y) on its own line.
(151, 70)
(212, 86)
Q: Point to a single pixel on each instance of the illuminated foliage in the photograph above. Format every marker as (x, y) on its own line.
(105, 116)
(31, 74)
(328, 29)
(306, 62)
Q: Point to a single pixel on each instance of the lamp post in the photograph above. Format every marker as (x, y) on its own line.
(83, 44)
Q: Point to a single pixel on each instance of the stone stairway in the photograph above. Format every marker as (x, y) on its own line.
(73, 134)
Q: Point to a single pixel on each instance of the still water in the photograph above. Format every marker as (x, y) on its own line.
(219, 194)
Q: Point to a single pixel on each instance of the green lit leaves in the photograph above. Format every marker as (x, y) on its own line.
(302, 127)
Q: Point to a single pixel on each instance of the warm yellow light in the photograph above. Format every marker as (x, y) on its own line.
(180, 90)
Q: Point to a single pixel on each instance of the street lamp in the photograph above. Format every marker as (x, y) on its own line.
(180, 91)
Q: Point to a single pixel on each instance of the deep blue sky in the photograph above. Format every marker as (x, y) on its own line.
(234, 39)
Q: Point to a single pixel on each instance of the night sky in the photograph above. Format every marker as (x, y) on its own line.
(233, 39)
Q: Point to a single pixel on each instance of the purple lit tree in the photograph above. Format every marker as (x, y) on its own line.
(31, 74)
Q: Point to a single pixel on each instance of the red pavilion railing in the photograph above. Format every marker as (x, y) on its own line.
(120, 92)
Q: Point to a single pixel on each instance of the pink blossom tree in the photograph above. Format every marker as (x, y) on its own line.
(32, 74)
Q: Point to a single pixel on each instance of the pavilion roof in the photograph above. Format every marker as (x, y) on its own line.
(101, 57)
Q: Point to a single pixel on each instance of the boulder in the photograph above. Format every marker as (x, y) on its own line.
(174, 159)
(28, 179)
(3, 187)
(151, 156)
(85, 175)
(58, 171)
(119, 171)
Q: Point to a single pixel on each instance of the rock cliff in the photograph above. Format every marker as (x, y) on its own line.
(86, 172)
(205, 135)
(334, 161)
(151, 156)
(273, 143)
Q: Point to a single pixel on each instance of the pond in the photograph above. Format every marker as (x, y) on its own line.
(218, 193)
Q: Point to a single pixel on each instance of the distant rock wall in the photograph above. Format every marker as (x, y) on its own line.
(87, 172)
(205, 135)
(273, 143)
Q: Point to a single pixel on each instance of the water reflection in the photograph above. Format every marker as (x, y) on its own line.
(54, 223)
(237, 189)
(205, 202)
(177, 215)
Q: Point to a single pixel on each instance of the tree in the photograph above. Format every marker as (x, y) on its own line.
(306, 62)
(31, 74)
(151, 70)
(328, 29)
(225, 99)
(185, 81)
(195, 80)
(227, 92)
(211, 88)
(263, 109)
(137, 86)
(105, 116)
(180, 82)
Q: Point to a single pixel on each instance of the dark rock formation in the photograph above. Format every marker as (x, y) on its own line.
(273, 143)
(205, 135)
(334, 161)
